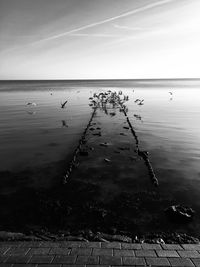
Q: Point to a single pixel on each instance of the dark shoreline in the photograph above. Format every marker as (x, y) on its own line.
(70, 213)
(75, 221)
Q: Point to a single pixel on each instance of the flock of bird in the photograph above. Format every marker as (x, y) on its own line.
(139, 102)
(109, 100)
(103, 97)
(118, 100)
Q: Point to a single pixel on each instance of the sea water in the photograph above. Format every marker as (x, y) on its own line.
(35, 130)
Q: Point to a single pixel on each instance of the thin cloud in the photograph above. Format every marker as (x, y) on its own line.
(95, 35)
(128, 28)
(133, 37)
(92, 25)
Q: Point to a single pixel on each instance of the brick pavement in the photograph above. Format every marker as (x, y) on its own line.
(95, 254)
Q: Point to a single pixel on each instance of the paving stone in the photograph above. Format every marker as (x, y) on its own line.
(90, 244)
(17, 251)
(64, 259)
(71, 244)
(191, 246)
(167, 253)
(41, 259)
(50, 244)
(81, 251)
(102, 251)
(39, 251)
(59, 251)
(3, 244)
(123, 252)
(11, 244)
(17, 259)
(110, 260)
(196, 262)
(133, 261)
(87, 260)
(131, 246)
(3, 250)
(96, 254)
(171, 246)
(33, 244)
(3, 258)
(151, 246)
(157, 261)
(188, 254)
(24, 265)
(145, 253)
(181, 262)
(111, 245)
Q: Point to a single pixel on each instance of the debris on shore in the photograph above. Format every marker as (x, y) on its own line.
(88, 235)
(180, 214)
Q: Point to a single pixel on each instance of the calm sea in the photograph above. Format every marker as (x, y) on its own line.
(44, 133)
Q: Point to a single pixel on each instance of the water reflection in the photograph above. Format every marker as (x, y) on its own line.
(31, 112)
(138, 117)
(64, 124)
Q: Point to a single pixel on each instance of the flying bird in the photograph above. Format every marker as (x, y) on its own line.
(141, 102)
(137, 100)
(63, 105)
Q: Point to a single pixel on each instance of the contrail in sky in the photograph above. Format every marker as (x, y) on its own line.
(95, 35)
(128, 28)
(123, 15)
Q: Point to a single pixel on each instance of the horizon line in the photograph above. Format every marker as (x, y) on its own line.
(109, 79)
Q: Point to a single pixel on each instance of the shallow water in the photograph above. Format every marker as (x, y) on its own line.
(167, 126)
(34, 135)
(45, 132)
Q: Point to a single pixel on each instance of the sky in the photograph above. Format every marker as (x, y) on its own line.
(99, 39)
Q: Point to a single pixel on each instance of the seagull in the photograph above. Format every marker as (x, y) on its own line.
(141, 102)
(63, 105)
(137, 100)
(31, 104)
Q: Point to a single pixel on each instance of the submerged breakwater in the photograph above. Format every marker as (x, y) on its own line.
(103, 101)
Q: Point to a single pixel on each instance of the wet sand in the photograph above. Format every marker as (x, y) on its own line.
(105, 187)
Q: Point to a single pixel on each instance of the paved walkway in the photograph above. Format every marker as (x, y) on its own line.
(93, 254)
